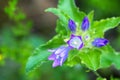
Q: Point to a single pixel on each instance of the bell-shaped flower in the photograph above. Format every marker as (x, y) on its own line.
(75, 42)
(99, 42)
(85, 24)
(59, 55)
(72, 26)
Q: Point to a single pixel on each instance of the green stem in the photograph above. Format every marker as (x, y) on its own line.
(97, 74)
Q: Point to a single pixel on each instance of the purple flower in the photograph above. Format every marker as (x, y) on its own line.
(75, 42)
(59, 55)
(72, 26)
(99, 42)
(85, 24)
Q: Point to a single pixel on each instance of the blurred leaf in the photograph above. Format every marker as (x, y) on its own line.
(100, 78)
(112, 78)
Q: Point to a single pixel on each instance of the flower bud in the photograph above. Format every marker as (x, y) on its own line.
(72, 26)
(85, 24)
(99, 42)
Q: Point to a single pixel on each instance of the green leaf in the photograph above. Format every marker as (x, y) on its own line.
(62, 23)
(69, 8)
(91, 59)
(73, 58)
(40, 54)
(90, 17)
(100, 78)
(105, 24)
(109, 57)
(34, 61)
(61, 29)
(66, 10)
(56, 41)
(59, 13)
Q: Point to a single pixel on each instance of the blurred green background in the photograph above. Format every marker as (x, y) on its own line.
(24, 26)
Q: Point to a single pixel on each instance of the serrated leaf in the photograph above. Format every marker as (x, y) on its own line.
(37, 59)
(105, 24)
(91, 59)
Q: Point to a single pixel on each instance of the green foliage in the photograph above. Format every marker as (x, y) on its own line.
(56, 41)
(17, 50)
(92, 57)
(105, 24)
(110, 59)
(66, 10)
(99, 78)
(21, 27)
(37, 59)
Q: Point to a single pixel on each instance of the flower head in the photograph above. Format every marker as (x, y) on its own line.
(75, 42)
(99, 42)
(85, 24)
(59, 55)
(72, 26)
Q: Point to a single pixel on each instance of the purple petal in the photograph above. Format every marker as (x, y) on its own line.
(56, 63)
(65, 52)
(52, 56)
(75, 42)
(59, 55)
(51, 50)
(81, 45)
(63, 59)
(59, 50)
(72, 26)
(85, 24)
(99, 42)
(64, 55)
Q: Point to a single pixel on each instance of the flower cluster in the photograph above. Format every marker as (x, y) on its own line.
(60, 54)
